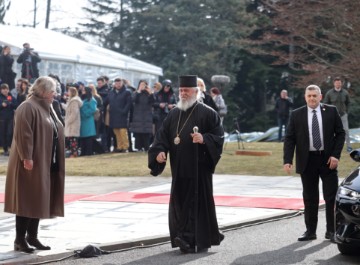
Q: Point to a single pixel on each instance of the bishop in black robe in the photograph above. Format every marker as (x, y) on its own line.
(192, 166)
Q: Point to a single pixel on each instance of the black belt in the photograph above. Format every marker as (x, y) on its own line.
(317, 153)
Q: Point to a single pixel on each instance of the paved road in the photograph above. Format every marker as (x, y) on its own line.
(271, 243)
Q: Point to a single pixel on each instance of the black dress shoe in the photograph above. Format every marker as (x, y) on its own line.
(182, 244)
(199, 250)
(330, 235)
(307, 236)
(22, 245)
(36, 243)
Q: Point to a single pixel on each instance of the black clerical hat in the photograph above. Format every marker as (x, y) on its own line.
(188, 81)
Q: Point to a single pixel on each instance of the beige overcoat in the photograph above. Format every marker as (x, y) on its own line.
(72, 117)
(36, 193)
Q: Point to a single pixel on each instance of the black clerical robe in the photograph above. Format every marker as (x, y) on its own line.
(191, 165)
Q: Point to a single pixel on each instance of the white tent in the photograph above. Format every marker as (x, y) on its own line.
(75, 60)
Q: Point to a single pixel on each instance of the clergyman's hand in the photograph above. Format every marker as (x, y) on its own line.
(161, 157)
(197, 138)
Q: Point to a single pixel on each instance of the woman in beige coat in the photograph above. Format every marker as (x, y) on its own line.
(36, 168)
(73, 120)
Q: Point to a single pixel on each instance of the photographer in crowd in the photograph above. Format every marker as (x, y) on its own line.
(165, 100)
(141, 123)
(29, 60)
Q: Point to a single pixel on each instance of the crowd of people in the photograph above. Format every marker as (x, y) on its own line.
(98, 117)
(37, 119)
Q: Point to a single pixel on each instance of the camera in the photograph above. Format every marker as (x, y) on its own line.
(166, 109)
(28, 50)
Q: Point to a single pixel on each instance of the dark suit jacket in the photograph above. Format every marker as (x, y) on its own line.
(297, 135)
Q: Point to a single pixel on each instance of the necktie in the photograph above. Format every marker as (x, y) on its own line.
(316, 132)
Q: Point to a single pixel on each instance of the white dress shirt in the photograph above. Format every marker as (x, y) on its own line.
(319, 117)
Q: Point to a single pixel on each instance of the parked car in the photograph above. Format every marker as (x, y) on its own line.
(347, 211)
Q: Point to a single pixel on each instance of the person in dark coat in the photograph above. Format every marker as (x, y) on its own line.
(23, 91)
(141, 124)
(106, 133)
(194, 155)
(119, 101)
(7, 75)
(29, 60)
(165, 101)
(315, 132)
(283, 106)
(7, 109)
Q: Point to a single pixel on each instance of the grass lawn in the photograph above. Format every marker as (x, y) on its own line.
(135, 164)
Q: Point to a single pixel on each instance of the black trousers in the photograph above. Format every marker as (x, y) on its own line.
(142, 141)
(86, 145)
(6, 132)
(317, 168)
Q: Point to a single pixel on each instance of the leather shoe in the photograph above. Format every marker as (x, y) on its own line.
(36, 243)
(307, 236)
(182, 244)
(192, 250)
(330, 235)
(22, 245)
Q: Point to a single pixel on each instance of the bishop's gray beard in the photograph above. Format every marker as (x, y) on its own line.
(184, 104)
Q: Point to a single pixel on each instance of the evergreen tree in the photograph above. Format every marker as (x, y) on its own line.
(102, 18)
(190, 37)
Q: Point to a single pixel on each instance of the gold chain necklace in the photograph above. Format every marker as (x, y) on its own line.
(177, 138)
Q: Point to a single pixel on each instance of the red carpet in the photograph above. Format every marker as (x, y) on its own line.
(231, 201)
(162, 198)
(68, 197)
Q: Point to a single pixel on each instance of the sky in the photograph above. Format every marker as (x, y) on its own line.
(65, 13)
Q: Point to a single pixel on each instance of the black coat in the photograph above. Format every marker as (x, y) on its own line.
(103, 91)
(142, 120)
(7, 75)
(209, 101)
(120, 103)
(32, 68)
(190, 164)
(163, 97)
(297, 135)
(7, 113)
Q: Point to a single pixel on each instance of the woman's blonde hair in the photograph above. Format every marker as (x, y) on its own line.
(42, 85)
(93, 90)
(72, 92)
(202, 83)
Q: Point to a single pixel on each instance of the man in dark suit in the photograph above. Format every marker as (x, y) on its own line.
(317, 133)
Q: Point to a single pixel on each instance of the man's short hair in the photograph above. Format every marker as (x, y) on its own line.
(4, 86)
(100, 79)
(118, 79)
(337, 78)
(313, 87)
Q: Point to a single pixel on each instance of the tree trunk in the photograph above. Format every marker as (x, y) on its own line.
(48, 9)
(35, 9)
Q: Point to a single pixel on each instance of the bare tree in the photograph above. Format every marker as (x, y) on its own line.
(4, 6)
(48, 9)
(319, 38)
(35, 11)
